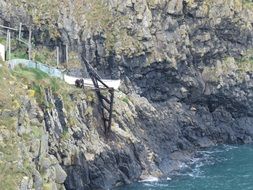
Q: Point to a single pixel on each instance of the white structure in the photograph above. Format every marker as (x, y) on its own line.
(2, 52)
(88, 82)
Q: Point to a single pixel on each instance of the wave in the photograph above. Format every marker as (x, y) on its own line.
(150, 179)
(194, 168)
(204, 158)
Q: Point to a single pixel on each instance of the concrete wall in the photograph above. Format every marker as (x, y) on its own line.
(2, 52)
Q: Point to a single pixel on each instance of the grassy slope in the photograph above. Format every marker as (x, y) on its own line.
(10, 172)
(15, 85)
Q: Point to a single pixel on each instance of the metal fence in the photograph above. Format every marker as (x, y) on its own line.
(51, 71)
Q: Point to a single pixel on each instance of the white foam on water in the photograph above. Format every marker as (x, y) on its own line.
(205, 157)
(183, 166)
(230, 147)
(150, 179)
(192, 169)
(194, 160)
(155, 184)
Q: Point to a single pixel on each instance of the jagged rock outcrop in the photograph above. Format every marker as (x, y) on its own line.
(187, 82)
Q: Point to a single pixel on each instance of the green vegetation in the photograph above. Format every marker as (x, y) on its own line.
(90, 96)
(2, 40)
(98, 14)
(47, 186)
(246, 62)
(44, 55)
(39, 54)
(11, 173)
(19, 54)
(93, 15)
(37, 81)
(19, 50)
(88, 111)
(230, 65)
(7, 94)
(15, 85)
(126, 100)
(74, 61)
(65, 135)
(29, 74)
(44, 14)
(248, 4)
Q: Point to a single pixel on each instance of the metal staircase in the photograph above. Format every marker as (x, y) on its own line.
(105, 101)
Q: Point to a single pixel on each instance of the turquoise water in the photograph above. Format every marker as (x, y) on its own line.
(222, 168)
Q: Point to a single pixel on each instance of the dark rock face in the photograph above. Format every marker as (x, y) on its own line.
(180, 107)
(186, 109)
(108, 169)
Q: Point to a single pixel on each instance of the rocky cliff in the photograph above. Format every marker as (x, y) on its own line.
(186, 67)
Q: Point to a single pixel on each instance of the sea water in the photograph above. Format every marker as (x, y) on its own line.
(220, 168)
